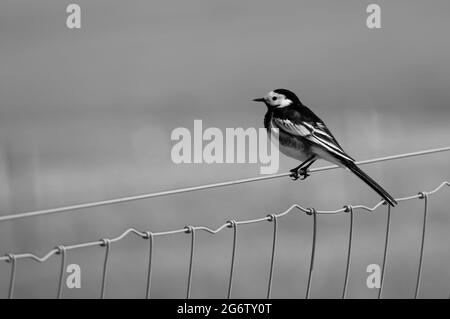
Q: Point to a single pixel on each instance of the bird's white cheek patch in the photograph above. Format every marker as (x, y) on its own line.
(284, 103)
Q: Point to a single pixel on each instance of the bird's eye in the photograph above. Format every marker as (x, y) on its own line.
(274, 98)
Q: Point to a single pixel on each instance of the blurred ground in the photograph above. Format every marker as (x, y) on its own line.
(87, 115)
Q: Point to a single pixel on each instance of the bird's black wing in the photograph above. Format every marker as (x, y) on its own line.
(312, 128)
(310, 117)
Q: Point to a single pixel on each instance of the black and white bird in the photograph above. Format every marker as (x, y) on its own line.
(304, 136)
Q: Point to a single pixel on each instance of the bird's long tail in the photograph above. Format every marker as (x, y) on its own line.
(369, 181)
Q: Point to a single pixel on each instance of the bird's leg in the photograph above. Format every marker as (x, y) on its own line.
(302, 169)
(294, 172)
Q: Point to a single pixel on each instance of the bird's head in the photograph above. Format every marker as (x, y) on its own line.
(279, 98)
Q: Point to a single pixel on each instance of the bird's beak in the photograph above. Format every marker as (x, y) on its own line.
(259, 100)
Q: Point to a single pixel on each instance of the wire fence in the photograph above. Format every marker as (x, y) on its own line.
(191, 230)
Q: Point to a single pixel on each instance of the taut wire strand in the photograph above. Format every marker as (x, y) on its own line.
(78, 207)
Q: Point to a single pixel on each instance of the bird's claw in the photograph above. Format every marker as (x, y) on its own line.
(304, 173)
(301, 173)
(294, 174)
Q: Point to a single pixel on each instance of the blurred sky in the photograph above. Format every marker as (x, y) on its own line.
(87, 115)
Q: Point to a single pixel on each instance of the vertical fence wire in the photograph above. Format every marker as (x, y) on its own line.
(313, 251)
(191, 230)
(423, 195)
(273, 218)
(233, 256)
(386, 243)
(106, 243)
(348, 209)
(62, 252)
(12, 278)
(149, 236)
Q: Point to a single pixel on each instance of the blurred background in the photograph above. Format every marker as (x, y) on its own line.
(87, 115)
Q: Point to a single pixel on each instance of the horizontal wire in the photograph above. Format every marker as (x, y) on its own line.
(203, 187)
(145, 234)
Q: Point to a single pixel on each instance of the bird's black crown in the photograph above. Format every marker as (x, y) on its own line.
(289, 95)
